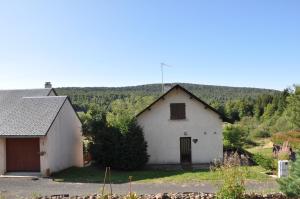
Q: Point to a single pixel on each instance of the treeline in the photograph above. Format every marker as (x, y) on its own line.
(261, 105)
(104, 96)
(261, 111)
(265, 115)
(108, 117)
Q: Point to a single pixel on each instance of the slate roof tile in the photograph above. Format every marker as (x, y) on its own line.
(28, 112)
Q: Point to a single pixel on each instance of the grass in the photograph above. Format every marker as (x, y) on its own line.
(95, 175)
(264, 147)
(264, 151)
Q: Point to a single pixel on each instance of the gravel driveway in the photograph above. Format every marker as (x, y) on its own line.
(26, 187)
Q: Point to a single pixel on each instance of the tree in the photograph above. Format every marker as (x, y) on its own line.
(245, 107)
(231, 110)
(123, 111)
(293, 110)
(269, 111)
(93, 120)
(121, 114)
(291, 185)
(218, 106)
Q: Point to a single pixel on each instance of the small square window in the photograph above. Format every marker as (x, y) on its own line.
(177, 111)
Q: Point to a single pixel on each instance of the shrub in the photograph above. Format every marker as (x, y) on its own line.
(257, 133)
(127, 151)
(291, 185)
(105, 146)
(133, 148)
(234, 176)
(234, 136)
(267, 163)
(131, 196)
(241, 152)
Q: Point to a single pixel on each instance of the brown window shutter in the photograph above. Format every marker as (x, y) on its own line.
(177, 111)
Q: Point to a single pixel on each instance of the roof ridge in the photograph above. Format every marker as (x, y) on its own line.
(26, 89)
(48, 96)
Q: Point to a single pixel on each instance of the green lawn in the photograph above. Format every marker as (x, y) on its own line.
(264, 151)
(95, 175)
(264, 147)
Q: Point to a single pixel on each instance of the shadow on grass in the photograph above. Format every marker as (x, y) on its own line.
(93, 174)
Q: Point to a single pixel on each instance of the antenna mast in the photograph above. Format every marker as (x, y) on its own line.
(162, 75)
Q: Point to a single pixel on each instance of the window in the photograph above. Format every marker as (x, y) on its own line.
(177, 111)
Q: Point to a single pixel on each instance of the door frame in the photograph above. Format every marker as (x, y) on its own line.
(190, 154)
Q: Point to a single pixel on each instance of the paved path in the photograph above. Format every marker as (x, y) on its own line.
(24, 187)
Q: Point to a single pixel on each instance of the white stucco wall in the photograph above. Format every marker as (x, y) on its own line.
(63, 143)
(163, 135)
(2, 156)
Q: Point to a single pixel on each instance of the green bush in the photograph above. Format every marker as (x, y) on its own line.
(126, 151)
(234, 136)
(291, 185)
(133, 148)
(267, 163)
(105, 146)
(257, 133)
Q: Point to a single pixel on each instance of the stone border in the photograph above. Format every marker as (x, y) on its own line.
(185, 195)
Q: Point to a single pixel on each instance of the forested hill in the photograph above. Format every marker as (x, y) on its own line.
(83, 96)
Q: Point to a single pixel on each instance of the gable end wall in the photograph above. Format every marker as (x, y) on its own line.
(63, 143)
(163, 135)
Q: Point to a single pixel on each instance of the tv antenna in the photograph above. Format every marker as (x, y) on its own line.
(162, 65)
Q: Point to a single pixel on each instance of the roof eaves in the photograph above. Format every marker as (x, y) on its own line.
(223, 117)
(159, 98)
(56, 116)
(74, 109)
(67, 99)
(54, 91)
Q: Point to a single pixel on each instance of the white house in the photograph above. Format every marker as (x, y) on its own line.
(180, 128)
(39, 132)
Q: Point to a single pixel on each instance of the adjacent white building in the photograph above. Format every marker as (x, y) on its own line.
(180, 128)
(39, 132)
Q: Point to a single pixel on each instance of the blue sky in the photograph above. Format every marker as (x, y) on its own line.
(251, 43)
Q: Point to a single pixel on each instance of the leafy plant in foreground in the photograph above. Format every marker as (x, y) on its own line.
(291, 185)
(234, 176)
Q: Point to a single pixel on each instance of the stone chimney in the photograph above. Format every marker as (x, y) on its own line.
(48, 85)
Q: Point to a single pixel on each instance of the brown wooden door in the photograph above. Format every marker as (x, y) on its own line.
(185, 150)
(22, 154)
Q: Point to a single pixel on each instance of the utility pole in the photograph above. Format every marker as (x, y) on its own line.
(162, 65)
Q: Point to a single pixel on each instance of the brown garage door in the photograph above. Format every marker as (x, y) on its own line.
(22, 154)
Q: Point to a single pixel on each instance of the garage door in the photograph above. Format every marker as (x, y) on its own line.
(22, 154)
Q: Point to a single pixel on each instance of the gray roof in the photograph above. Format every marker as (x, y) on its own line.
(28, 112)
